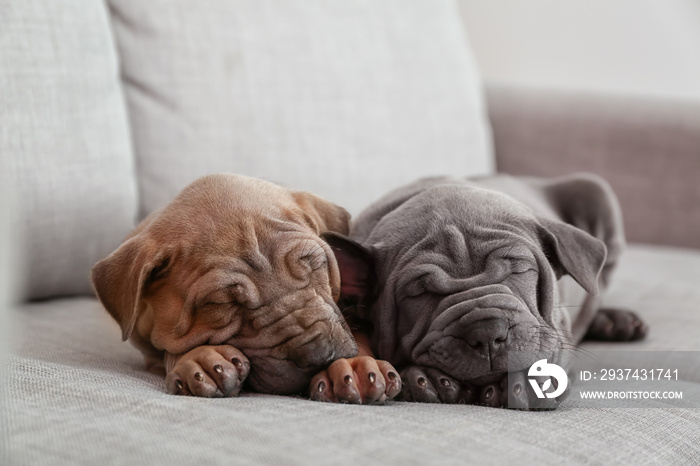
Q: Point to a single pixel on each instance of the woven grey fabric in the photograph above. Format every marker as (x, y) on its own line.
(662, 284)
(6, 271)
(346, 99)
(64, 140)
(77, 395)
(648, 149)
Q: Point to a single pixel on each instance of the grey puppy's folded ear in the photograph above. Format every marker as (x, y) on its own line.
(356, 266)
(121, 279)
(574, 252)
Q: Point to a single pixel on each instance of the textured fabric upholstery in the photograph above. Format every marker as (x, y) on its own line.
(78, 395)
(64, 141)
(344, 99)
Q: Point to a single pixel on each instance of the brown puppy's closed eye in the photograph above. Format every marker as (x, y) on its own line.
(232, 282)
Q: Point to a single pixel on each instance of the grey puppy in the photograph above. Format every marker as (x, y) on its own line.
(448, 275)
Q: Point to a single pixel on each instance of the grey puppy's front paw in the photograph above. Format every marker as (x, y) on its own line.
(429, 385)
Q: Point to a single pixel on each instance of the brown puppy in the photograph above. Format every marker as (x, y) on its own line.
(232, 282)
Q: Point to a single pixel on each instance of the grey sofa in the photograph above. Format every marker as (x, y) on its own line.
(108, 109)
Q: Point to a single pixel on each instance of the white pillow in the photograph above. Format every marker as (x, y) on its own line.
(346, 99)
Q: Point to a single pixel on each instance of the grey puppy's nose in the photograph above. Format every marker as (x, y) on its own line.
(487, 337)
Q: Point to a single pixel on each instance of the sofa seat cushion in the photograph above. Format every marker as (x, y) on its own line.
(77, 395)
(660, 283)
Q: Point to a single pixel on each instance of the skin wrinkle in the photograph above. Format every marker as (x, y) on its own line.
(279, 329)
(430, 239)
(455, 316)
(309, 332)
(430, 270)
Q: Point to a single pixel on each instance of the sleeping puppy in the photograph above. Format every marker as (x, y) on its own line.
(232, 282)
(452, 274)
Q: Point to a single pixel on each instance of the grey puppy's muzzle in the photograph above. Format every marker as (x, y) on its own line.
(470, 337)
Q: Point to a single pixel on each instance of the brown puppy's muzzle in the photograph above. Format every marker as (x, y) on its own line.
(289, 367)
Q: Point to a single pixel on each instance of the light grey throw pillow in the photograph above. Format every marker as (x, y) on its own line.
(343, 98)
(64, 141)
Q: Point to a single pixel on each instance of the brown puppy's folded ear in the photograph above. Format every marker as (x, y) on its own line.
(574, 251)
(321, 214)
(122, 277)
(356, 266)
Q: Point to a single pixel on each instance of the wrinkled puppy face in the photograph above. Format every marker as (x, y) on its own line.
(468, 275)
(234, 260)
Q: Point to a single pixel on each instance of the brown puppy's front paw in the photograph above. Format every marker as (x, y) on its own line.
(616, 325)
(359, 380)
(208, 371)
(428, 385)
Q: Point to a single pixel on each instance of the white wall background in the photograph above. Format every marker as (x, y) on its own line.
(648, 47)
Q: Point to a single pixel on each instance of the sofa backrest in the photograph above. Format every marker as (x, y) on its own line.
(64, 140)
(344, 98)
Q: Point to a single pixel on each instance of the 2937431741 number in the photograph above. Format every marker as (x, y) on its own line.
(639, 374)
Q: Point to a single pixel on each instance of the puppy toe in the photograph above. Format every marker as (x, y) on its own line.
(321, 388)
(601, 328)
(514, 395)
(636, 328)
(546, 403)
(175, 384)
(468, 394)
(392, 380)
(624, 324)
(199, 382)
(223, 372)
(370, 380)
(417, 386)
(491, 395)
(448, 389)
(238, 359)
(342, 377)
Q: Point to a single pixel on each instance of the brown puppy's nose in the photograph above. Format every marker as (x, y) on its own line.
(317, 353)
(487, 337)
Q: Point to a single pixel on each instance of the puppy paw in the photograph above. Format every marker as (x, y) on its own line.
(616, 325)
(429, 385)
(208, 371)
(516, 393)
(359, 380)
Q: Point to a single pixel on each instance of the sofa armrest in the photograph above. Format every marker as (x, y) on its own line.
(649, 151)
